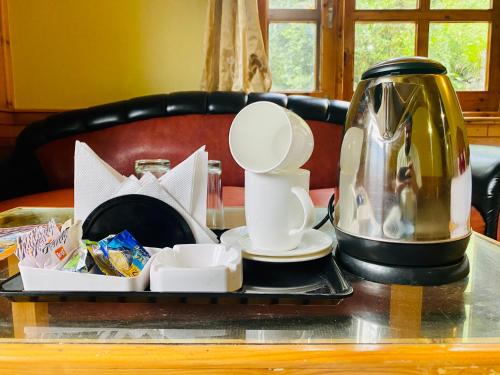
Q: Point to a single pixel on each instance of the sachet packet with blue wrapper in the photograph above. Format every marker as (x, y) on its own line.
(119, 255)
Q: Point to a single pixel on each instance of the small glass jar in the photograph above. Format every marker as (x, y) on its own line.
(158, 167)
(215, 207)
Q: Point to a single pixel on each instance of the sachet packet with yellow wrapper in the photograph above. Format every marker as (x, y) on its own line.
(101, 261)
(119, 255)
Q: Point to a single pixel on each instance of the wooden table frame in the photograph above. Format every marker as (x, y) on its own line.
(249, 359)
(408, 354)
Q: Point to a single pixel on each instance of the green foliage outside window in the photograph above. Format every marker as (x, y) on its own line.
(292, 55)
(462, 48)
(292, 4)
(460, 4)
(386, 4)
(378, 41)
(412, 4)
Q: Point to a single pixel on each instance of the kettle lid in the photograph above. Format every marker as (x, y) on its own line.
(404, 65)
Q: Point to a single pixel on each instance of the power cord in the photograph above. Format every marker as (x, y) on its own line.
(329, 215)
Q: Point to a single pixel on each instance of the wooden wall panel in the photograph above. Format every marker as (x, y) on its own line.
(12, 123)
(483, 130)
(6, 84)
(491, 141)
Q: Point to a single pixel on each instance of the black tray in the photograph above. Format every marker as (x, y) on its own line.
(268, 283)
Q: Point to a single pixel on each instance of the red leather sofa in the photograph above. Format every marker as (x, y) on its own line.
(170, 126)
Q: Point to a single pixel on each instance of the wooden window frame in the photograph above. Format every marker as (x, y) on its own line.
(325, 49)
(6, 84)
(336, 59)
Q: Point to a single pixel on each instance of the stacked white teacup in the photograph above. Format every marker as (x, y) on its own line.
(272, 144)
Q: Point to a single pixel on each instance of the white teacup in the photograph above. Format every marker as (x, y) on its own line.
(265, 137)
(278, 209)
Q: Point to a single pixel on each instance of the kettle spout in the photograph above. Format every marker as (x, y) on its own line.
(392, 104)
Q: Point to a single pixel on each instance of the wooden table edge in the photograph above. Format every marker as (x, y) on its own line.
(359, 357)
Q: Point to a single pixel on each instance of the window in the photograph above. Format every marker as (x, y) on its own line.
(458, 33)
(293, 30)
(323, 46)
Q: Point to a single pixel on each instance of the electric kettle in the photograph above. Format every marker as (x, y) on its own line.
(403, 210)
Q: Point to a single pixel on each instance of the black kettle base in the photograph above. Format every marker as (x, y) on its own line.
(405, 275)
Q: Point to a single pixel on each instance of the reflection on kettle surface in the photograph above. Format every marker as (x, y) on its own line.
(461, 192)
(408, 182)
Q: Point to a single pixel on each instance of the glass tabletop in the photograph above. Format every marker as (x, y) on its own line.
(467, 311)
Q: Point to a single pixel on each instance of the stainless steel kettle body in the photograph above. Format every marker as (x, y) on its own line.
(405, 179)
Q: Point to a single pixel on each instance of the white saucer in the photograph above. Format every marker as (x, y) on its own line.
(315, 244)
(299, 258)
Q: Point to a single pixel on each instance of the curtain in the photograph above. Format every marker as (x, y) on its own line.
(235, 57)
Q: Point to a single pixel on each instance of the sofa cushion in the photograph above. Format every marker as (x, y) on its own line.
(233, 196)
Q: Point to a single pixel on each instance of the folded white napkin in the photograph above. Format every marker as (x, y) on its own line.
(185, 190)
(187, 183)
(95, 180)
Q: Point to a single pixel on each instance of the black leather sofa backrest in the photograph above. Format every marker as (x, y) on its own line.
(179, 103)
(26, 173)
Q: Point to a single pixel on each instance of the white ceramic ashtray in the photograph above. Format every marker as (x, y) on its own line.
(197, 268)
(39, 279)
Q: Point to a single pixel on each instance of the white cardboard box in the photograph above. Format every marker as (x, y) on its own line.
(39, 279)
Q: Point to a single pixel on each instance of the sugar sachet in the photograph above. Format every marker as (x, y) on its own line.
(58, 251)
(30, 243)
(49, 247)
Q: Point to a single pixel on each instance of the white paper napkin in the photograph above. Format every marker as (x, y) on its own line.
(187, 183)
(129, 186)
(200, 189)
(95, 180)
(185, 190)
